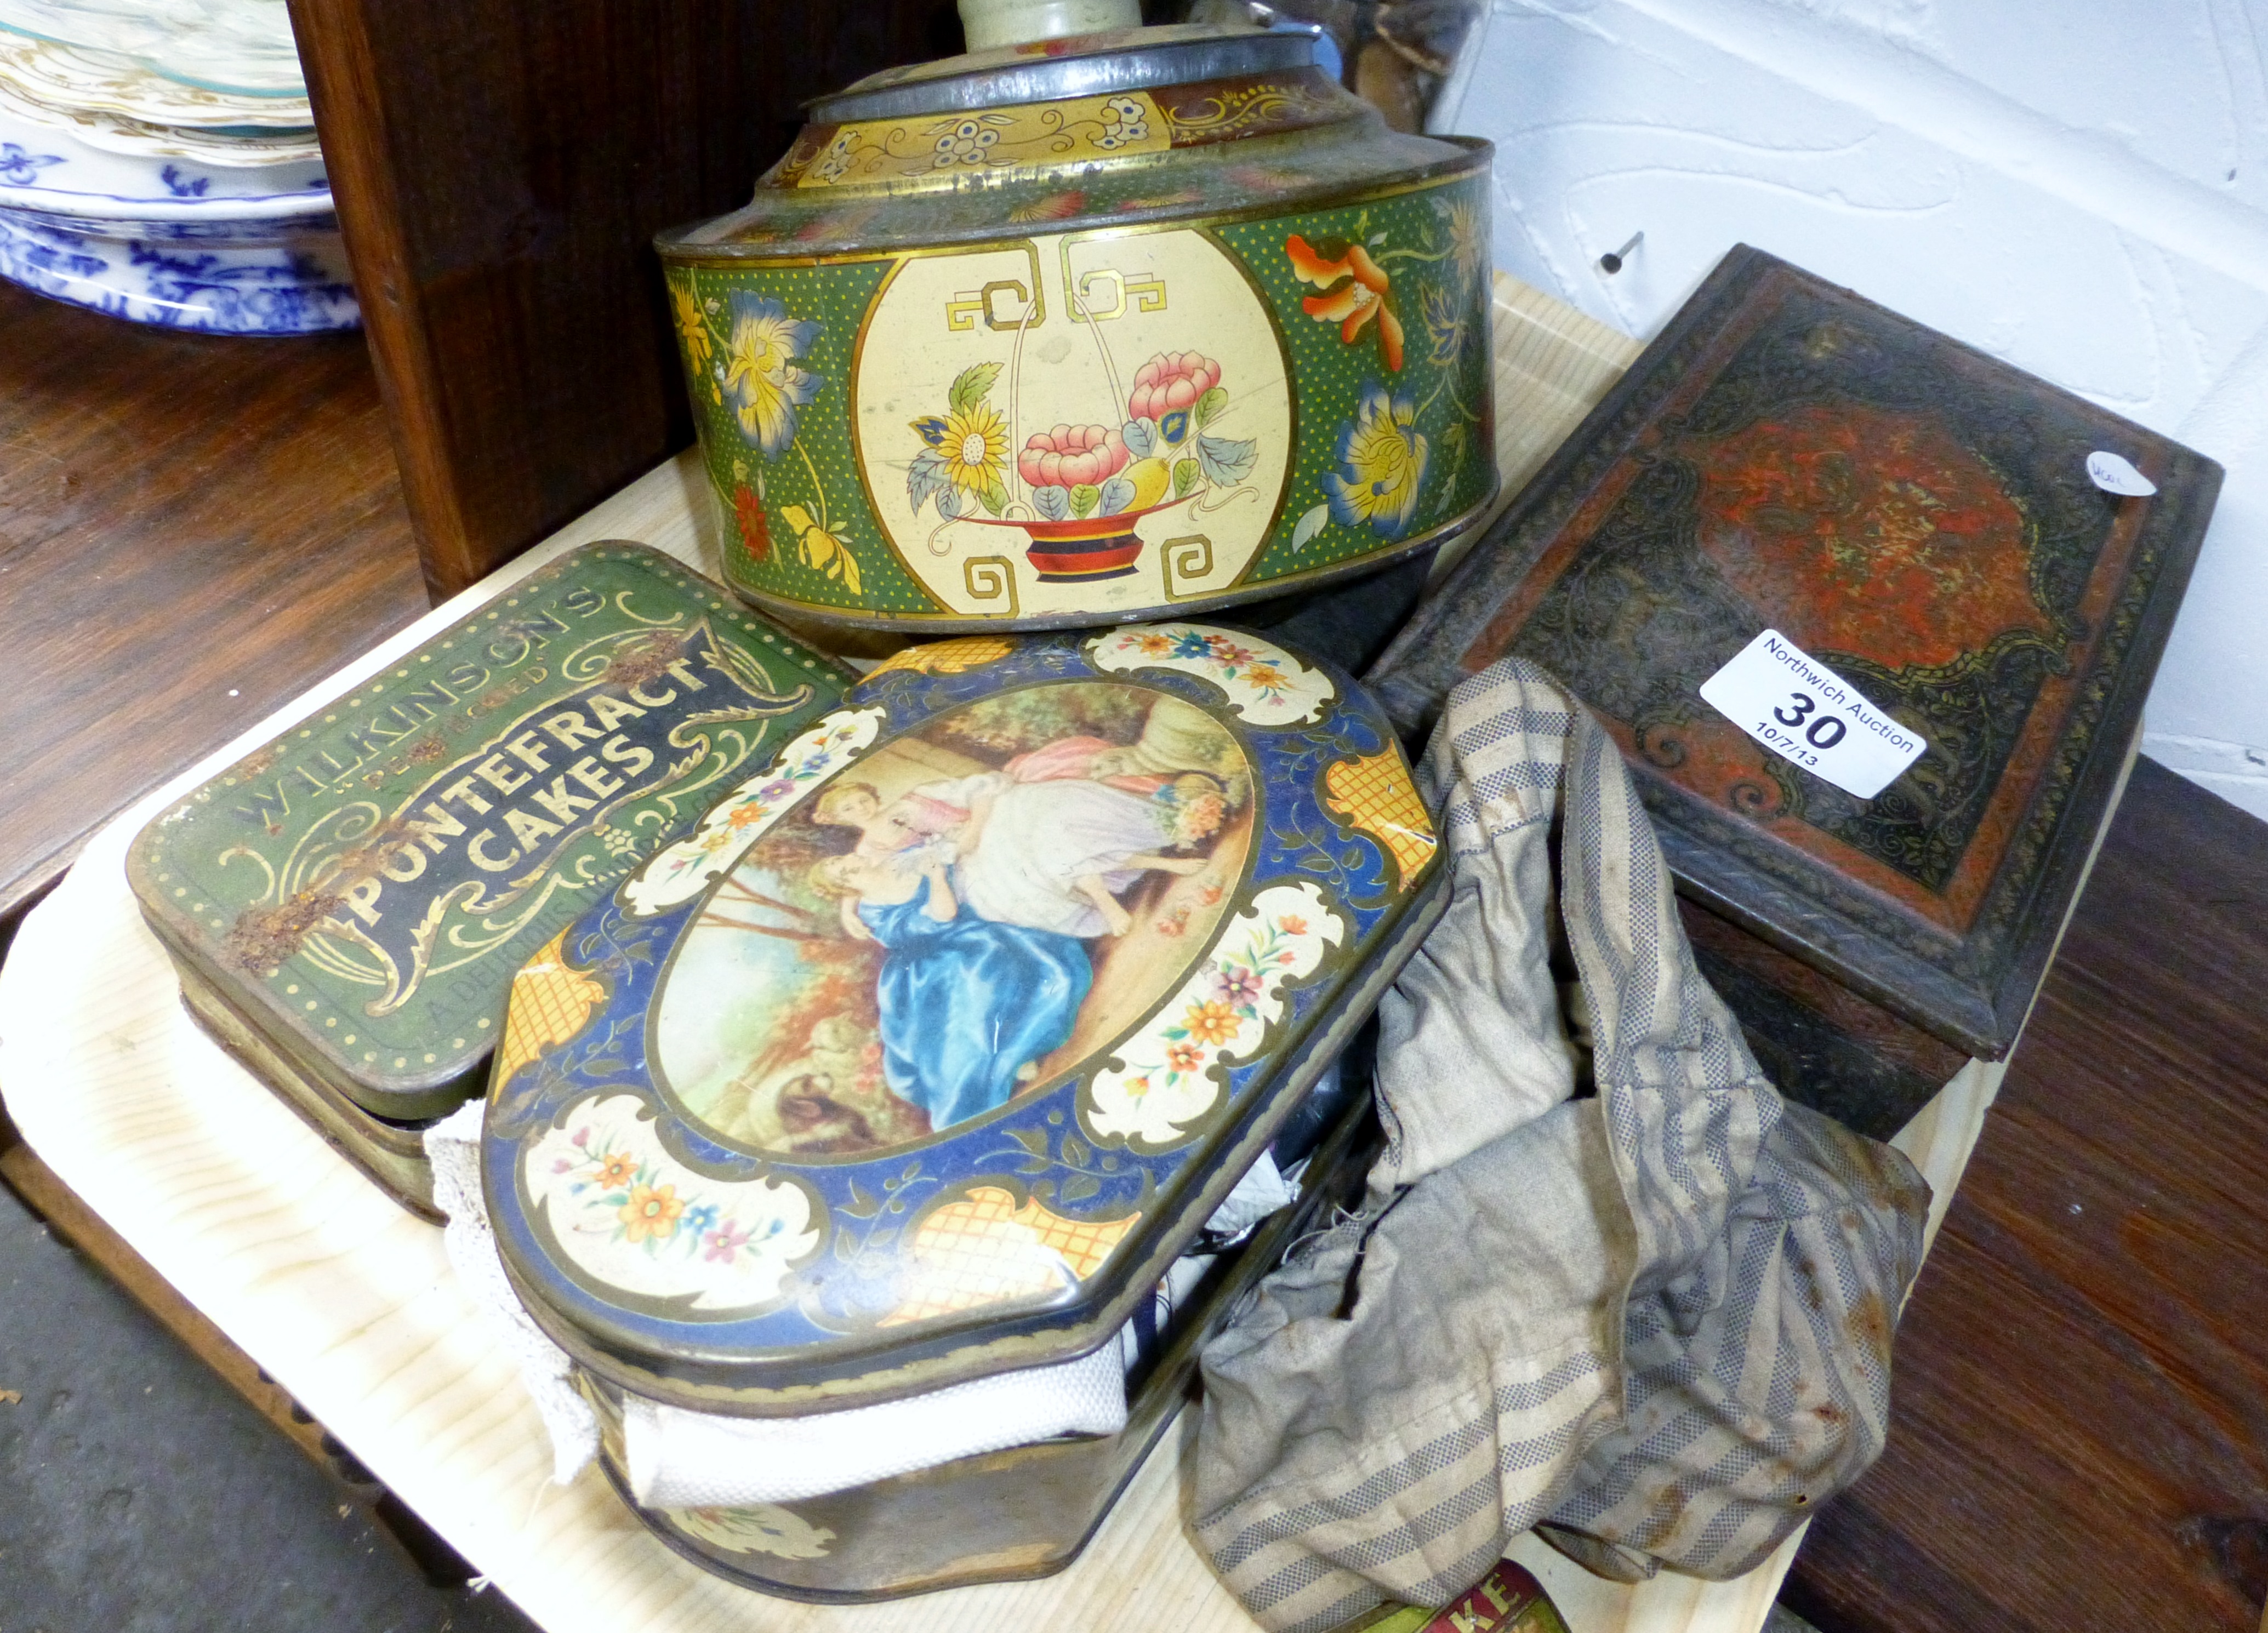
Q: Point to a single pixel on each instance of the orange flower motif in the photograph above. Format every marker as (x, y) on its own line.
(1355, 290)
(615, 1170)
(1185, 1057)
(1153, 645)
(652, 1211)
(1292, 925)
(1213, 1022)
(748, 519)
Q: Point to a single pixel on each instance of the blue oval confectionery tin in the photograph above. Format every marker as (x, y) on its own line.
(930, 1049)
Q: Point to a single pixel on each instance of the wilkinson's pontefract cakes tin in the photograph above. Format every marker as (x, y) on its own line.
(1123, 324)
(347, 905)
(925, 1053)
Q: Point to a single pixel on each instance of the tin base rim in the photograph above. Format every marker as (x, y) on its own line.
(921, 626)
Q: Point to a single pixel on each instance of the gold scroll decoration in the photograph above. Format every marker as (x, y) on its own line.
(940, 149)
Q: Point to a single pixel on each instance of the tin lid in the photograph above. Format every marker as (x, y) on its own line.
(931, 1046)
(1914, 515)
(361, 889)
(1183, 121)
(1051, 70)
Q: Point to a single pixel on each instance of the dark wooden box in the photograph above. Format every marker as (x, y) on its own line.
(1787, 455)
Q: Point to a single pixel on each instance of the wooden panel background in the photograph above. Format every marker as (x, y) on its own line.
(192, 528)
(501, 167)
(2079, 1437)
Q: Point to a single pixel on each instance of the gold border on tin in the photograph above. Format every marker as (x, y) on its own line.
(1474, 161)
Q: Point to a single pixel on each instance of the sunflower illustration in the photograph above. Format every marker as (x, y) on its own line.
(972, 443)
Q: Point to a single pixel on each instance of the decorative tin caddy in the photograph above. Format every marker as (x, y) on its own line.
(1087, 330)
(345, 906)
(927, 1052)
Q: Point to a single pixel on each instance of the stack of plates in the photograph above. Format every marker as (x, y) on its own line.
(158, 162)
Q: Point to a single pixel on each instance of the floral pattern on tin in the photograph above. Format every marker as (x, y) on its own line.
(1263, 682)
(628, 1214)
(1223, 1012)
(683, 870)
(1125, 121)
(1381, 464)
(1357, 291)
(760, 371)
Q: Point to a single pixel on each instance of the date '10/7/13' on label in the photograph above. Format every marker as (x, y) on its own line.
(1807, 714)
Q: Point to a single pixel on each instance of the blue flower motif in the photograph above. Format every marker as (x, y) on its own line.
(1383, 458)
(1189, 644)
(180, 187)
(760, 375)
(21, 168)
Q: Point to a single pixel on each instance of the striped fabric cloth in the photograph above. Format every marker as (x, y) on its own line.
(1654, 1321)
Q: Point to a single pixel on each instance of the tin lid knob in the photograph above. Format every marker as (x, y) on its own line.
(990, 23)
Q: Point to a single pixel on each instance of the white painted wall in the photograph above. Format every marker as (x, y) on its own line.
(2079, 187)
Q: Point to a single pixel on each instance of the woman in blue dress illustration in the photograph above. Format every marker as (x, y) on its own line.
(968, 1007)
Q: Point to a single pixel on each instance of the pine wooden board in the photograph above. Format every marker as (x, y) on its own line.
(350, 1304)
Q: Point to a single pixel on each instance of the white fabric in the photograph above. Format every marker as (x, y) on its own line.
(1261, 1192)
(697, 1459)
(453, 1147)
(691, 1460)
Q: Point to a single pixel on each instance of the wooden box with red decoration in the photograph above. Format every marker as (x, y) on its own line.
(1872, 614)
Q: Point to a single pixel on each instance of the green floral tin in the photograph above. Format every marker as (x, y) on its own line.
(347, 905)
(1088, 330)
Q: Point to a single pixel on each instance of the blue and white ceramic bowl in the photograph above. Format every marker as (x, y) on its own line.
(188, 229)
(288, 275)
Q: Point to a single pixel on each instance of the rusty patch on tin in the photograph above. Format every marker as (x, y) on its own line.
(263, 937)
(635, 664)
(1869, 1323)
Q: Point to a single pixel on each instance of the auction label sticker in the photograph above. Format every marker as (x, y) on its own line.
(1805, 713)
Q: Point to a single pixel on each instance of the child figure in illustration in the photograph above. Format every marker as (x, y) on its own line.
(935, 814)
(968, 1006)
(1042, 844)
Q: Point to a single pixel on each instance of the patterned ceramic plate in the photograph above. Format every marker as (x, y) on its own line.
(63, 75)
(271, 162)
(73, 176)
(243, 47)
(928, 1048)
(293, 283)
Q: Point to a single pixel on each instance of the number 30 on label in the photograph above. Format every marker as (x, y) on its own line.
(1823, 732)
(1805, 713)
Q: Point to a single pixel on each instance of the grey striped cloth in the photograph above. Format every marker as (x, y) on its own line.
(1654, 1321)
